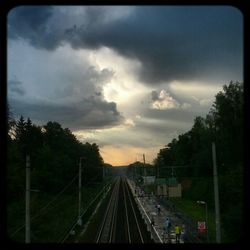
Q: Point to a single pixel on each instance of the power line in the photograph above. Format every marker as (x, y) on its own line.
(43, 208)
(65, 235)
(50, 202)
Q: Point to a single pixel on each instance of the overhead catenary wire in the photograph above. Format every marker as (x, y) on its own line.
(65, 235)
(47, 205)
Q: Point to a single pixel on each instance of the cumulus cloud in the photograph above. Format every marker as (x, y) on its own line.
(61, 86)
(129, 123)
(127, 76)
(163, 100)
(194, 41)
(89, 113)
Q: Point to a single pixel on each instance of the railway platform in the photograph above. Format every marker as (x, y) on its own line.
(149, 211)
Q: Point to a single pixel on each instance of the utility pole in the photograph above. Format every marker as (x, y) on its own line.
(216, 196)
(103, 172)
(144, 165)
(103, 182)
(80, 193)
(135, 171)
(27, 204)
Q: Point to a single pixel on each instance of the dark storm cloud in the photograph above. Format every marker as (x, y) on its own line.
(154, 95)
(90, 113)
(32, 23)
(172, 43)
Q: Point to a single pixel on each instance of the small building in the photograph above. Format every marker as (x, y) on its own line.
(174, 188)
(168, 187)
(148, 180)
(161, 186)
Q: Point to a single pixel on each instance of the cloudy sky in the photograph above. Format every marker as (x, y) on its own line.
(129, 78)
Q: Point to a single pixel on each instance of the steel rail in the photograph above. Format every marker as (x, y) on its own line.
(135, 216)
(109, 214)
(126, 212)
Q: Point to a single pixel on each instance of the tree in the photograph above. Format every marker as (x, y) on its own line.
(227, 112)
(20, 130)
(224, 126)
(93, 163)
(10, 123)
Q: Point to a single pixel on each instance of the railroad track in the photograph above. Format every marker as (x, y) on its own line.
(106, 232)
(122, 222)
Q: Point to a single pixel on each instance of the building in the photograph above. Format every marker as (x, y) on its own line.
(168, 187)
(148, 180)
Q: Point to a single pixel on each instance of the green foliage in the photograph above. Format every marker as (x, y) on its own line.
(224, 126)
(201, 189)
(55, 153)
(15, 172)
(54, 156)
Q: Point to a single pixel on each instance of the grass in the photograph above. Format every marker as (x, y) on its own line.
(94, 223)
(197, 212)
(50, 224)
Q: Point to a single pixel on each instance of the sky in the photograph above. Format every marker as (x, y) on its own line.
(129, 78)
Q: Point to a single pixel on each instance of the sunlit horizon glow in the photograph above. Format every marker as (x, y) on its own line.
(123, 156)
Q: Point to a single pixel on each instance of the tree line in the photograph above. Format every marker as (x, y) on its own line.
(224, 126)
(54, 155)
